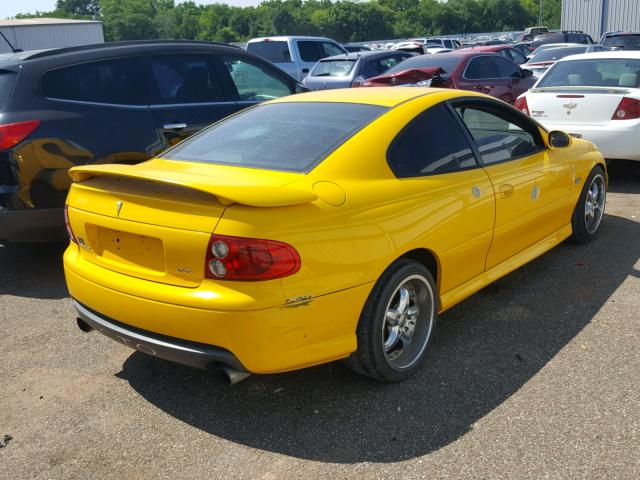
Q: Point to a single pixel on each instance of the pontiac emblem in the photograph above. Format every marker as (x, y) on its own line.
(118, 208)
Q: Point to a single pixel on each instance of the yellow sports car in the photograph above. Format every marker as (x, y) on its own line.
(323, 226)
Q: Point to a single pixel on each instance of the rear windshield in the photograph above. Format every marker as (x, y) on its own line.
(609, 72)
(447, 62)
(7, 82)
(333, 68)
(276, 52)
(289, 137)
(625, 42)
(552, 54)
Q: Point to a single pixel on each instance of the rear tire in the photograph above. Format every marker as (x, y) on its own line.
(589, 210)
(396, 323)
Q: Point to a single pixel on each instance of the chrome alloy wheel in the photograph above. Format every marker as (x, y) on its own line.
(594, 204)
(408, 321)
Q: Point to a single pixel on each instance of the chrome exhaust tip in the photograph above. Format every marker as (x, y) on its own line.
(84, 326)
(232, 375)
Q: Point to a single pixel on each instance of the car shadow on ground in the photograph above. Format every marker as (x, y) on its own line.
(33, 271)
(624, 176)
(484, 350)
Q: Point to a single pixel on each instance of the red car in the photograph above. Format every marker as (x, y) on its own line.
(489, 73)
(508, 51)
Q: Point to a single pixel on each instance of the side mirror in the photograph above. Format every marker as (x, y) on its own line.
(558, 139)
(301, 88)
(526, 73)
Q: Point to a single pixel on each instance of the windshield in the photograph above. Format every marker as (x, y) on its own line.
(604, 72)
(625, 42)
(276, 52)
(333, 68)
(288, 137)
(553, 54)
(447, 62)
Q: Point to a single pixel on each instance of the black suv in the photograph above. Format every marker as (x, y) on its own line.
(565, 36)
(114, 102)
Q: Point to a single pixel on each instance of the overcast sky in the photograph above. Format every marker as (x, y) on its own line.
(9, 8)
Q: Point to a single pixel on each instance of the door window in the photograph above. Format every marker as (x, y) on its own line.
(517, 56)
(120, 81)
(480, 68)
(498, 134)
(183, 79)
(313, 50)
(506, 68)
(255, 82)
(432, 143)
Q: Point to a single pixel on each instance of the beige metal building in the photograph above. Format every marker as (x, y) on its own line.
(39, 33)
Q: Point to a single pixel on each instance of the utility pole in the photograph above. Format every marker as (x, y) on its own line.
(540, 14)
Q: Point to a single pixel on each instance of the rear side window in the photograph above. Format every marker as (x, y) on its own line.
(312, 51)
(7, 82)
(289, 137)
(605, 72)
(185, 79)
(432, 143)
(121, 81)
(255, 82)
(276, 52)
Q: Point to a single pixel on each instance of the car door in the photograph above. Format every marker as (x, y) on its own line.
(434, 152)
(251, 82)
(510, 79)
(481, 75)
(186, 94)
(532, 183)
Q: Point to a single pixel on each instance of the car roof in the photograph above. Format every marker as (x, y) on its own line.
(287, 37)
(487, 48)
(622, 54)
(381, 96)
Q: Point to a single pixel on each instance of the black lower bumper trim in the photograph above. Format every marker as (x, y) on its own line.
(185, 352)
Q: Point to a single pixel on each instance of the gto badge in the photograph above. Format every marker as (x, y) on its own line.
(118, 208)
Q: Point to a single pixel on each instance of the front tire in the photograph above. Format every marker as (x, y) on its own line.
(589, 211)
(396, 323)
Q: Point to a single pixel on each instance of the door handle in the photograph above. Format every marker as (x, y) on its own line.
(175, 126)
(305, 70)
(506, 190)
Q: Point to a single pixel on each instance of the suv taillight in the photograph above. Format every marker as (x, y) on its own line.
(12, 134)
(521, 104)
(628, 109)
(72, 237)
(249, 259)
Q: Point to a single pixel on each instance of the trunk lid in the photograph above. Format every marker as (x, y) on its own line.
(411, 76)
(574, 105)
(154, 220)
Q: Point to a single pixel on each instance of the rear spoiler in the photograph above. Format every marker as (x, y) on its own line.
(227, 192)
(582, 89)
(412, 75)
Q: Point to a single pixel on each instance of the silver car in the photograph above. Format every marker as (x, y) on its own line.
(351, 70)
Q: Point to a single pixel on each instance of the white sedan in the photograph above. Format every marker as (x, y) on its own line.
(595, 96)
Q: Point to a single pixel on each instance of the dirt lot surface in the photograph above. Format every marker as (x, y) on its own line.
(536, 376)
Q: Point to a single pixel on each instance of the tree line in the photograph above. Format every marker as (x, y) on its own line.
(343, 20)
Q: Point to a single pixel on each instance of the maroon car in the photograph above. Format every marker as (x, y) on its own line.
(508, 51)
(489, 73)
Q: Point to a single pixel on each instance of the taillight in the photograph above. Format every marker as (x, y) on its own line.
(521, 104)
(12, 134)
(357, 82)
(72, 237)
(249, 259)
(628, 109)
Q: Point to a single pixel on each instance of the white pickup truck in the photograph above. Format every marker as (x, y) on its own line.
(295, 55)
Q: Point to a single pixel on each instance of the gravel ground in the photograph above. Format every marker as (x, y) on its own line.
(536, 376)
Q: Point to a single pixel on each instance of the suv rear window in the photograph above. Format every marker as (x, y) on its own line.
(624, 42)
(120, 81)
(605, 72)
(7, 82)
(276, 52)
(288, 137)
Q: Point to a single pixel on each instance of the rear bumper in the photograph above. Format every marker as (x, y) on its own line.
(192, 354)
(31, 225)
(614, 140)
(267, 340)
